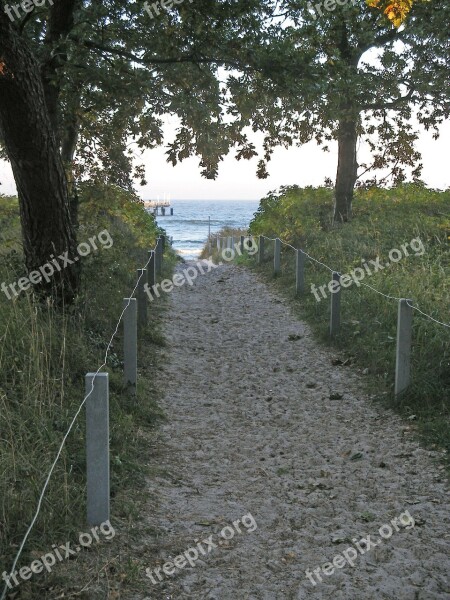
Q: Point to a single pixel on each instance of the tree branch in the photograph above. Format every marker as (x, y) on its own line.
(390, 36)
(122, 53)
(392, 104)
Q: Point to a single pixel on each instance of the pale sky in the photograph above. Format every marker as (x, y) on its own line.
(303, 166)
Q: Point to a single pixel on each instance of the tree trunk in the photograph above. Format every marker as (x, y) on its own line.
(60, 23)
(31, 147)
(68, 148)
(347, 169)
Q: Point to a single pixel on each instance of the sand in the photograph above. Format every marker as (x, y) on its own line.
(252, 430)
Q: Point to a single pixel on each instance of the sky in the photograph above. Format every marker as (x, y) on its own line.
(307, 165)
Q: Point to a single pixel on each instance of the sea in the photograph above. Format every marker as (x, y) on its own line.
(189, 225)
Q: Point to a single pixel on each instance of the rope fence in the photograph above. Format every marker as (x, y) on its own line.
(364, 284)
(405, 305)
(134, 316)
(96, 401)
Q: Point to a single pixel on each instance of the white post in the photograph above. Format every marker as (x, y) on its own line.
(335, 316)
(142, 298)
(260, 250)
(130, 344)
(209, 233)
(277, 257)
(249, 243)
(151, 271)
(404, 338)
(299, 271)
(158, 258)
(97, 448)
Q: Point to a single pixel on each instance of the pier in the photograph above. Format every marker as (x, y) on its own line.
(159, 207)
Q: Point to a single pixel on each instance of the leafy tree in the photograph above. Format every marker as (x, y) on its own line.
(395, 10)
(80, 78)
(349, 73)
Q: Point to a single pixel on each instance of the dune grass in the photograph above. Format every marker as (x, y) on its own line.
(211, 250)
(44, 356)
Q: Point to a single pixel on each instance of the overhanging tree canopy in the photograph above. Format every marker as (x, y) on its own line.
(79, 78)
(346, 74)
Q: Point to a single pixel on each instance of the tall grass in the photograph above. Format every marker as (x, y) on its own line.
(210, 250)
(44, 356)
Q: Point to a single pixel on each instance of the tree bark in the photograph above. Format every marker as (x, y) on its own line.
(60, 23)
(69, 142)
(347, 169)
(30, 143)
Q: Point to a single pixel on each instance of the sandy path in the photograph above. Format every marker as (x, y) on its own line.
(252, 429)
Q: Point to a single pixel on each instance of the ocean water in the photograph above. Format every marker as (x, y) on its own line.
(189, 224)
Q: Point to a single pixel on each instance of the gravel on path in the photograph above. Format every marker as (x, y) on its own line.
(264, 429)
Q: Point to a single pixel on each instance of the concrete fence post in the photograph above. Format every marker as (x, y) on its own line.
(151, 270)
(163, 249)
(404, 338)
(130, 344)
(97, 448)
(142, 298)
(232, 243)
(242, 243)
(261, 249)
(277, 257)
(218, 243)
(209, 234)
(335, 313)
(158, 256)
(299, 272)
(249, 244)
